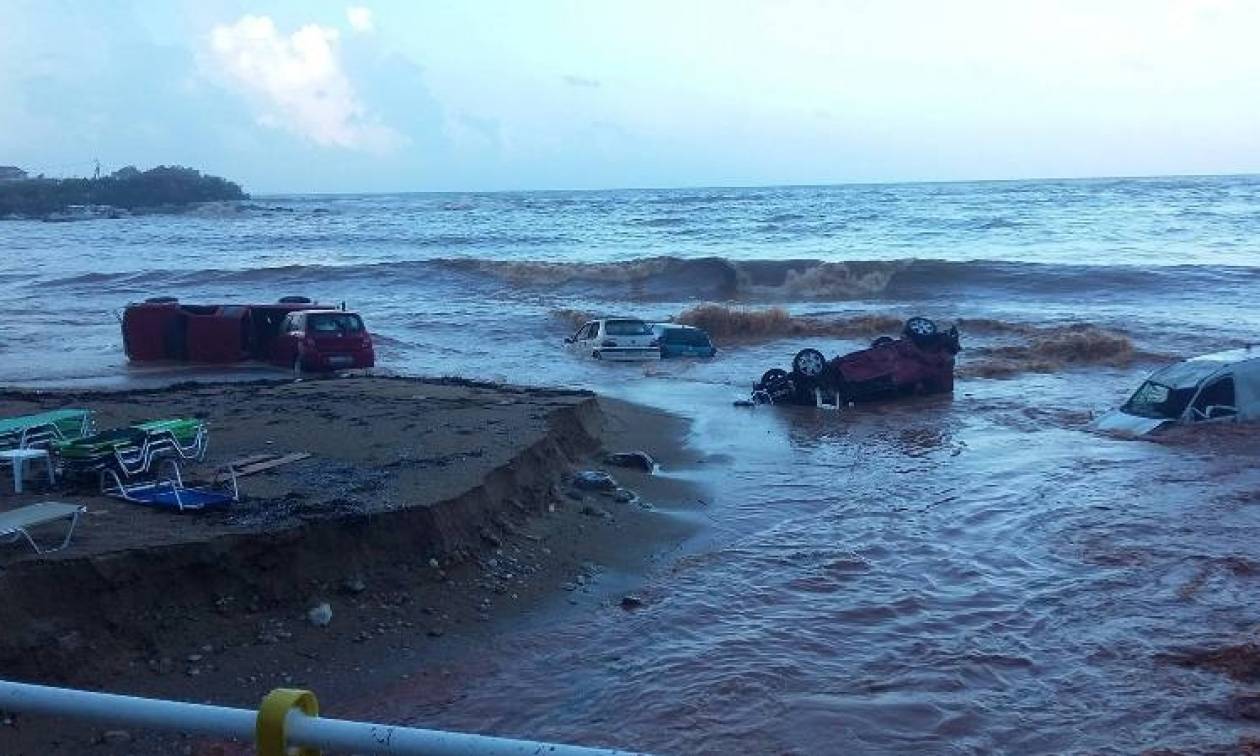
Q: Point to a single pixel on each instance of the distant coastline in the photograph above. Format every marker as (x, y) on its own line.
(121, 193)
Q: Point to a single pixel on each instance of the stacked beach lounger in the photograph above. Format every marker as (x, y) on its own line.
(140, 463)
(44, 428)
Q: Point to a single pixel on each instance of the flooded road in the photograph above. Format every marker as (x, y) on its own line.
(968, 575)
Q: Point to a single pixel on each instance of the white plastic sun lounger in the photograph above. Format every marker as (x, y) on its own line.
(15, 523)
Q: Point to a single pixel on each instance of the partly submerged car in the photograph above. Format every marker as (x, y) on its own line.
(1219, 387)
(618, 339)
(921, 361)
(292, 332)
(323, 340)
(683, 341)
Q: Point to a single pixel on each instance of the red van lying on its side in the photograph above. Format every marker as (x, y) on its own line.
(293, 332)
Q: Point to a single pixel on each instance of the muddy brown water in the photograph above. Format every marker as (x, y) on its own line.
(960, 575)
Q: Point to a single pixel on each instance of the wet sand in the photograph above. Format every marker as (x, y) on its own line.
(431, 516)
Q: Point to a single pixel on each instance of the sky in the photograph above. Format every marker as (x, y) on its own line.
(375, 96)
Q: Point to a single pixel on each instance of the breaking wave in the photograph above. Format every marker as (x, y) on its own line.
(667, 278)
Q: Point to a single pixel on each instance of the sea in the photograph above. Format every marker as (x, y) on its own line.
(956, 574)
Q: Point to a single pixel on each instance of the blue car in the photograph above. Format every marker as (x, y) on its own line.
(683, 341)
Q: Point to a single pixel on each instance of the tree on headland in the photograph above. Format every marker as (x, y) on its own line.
(128, 188)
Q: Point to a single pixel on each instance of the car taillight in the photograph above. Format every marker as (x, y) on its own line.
(608, 343)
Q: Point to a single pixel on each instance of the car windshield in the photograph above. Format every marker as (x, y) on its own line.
(686, 336)
(627, 328)
(332, 322)
(1155, 400)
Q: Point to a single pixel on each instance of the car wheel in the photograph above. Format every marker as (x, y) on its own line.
(596, 355)
(773, 376)
(918, 328)
(882, 340)
(809, 362)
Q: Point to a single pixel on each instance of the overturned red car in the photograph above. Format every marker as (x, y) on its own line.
(294, 332)
(921, 361)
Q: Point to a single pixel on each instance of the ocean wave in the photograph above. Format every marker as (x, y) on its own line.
(667, 278)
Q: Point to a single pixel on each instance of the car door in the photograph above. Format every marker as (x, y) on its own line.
(582, 339)
(285, 348)
(1215, 402)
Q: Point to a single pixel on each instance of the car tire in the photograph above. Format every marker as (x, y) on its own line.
(919, 329)
(810, 363)
(596, 355)
(772, 376)
(882, 340)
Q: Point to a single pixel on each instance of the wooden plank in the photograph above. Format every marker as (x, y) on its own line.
(250, 460)
(269, 464)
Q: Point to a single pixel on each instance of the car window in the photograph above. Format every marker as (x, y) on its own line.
(334, 322)
(585, 332)
(627, 328)
(1215, 400)
(1157, 401)
(687, 337)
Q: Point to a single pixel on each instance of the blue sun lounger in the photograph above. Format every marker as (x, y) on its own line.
(171, 493)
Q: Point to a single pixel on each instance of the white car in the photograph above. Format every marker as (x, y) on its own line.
(621, 339)
(1220, 387)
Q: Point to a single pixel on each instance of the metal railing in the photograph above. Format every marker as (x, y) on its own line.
(286, 718)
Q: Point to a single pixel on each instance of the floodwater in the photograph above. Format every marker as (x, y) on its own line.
(961, 575)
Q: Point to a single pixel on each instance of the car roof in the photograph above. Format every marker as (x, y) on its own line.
(679, 326)
(1189, 373)
(325, 310)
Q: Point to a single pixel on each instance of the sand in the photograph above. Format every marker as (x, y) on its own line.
(430, 516)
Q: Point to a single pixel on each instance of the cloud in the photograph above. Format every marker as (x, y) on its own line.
(581, 81)
(296, 83)
(360, 18)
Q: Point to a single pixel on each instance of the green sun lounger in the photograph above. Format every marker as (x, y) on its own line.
(131, 450)
(44, 428)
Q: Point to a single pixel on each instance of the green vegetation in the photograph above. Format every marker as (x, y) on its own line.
(126, 188)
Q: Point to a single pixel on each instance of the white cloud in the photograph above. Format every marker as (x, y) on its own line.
(360, 18)
(297, 83)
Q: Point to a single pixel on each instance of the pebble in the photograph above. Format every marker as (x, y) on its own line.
(631, 602)
(624, 495)
(638, 460)
(320, 615)
(590, 510)
(354, 585)
(594, 480)
(433, 563)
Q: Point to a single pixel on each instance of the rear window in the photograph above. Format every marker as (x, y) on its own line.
(685, 336)
(627, 328)
(332, 322)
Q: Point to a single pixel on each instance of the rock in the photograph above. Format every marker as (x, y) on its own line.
(115, 737)
(638, 460)
(320, 615)
(624, 495)
(436, 632)
(631, 602)
(354, 585)
(572, 493)
(590, 510)
(594, 480)
(194, 658)
(433, 563)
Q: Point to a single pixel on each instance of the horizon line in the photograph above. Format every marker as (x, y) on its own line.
(807, 185)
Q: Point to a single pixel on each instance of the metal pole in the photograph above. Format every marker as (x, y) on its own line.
(239, 724)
